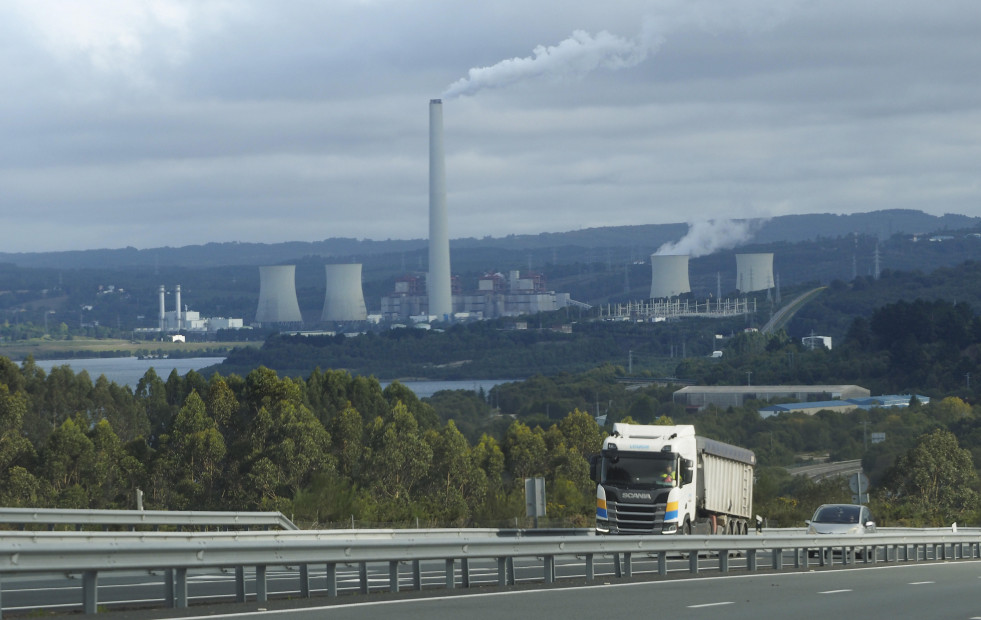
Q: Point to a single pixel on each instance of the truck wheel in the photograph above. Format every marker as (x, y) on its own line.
(686, 528)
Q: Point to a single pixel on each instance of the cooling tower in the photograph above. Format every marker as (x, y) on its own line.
(277, 295)
(344, 300)
(438, 282)
(669, 275)
(754, 272)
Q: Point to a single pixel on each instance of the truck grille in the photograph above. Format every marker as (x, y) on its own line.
(635, 518)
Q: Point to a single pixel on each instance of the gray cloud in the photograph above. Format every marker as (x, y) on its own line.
(183, 122)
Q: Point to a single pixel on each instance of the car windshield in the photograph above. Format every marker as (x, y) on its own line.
(837, 514)
(640, 470)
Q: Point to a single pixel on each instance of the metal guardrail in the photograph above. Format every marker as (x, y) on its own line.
(132, 519)
(176, 554)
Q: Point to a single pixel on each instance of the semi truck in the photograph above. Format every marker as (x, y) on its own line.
(667, 480)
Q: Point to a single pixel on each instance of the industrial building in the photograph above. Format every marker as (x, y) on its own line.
(181, 319)
(494, 296)
(344, 297)
(724, 396)
(277, 297)
(888, 401)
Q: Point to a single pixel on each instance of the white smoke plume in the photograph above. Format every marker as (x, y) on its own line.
(583, 53)
(711, 236)
(576, 56)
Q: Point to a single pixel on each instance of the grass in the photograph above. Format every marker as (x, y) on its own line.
(42, 348)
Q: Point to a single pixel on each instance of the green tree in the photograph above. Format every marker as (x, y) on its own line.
(935, 481)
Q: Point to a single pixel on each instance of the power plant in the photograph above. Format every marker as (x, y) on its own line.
(344, 299)
(669, 275)
(438, 284)
(277, 297)
(754, 272)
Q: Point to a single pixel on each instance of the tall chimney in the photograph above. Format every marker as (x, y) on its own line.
(438, 282)
(178, 315)
(163, 309)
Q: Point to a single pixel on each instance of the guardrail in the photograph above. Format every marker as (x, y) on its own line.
(175, 555)
(132, 519)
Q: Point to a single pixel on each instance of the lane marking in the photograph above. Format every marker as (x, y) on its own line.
(920, 583)
(711, 604)
(834, 591)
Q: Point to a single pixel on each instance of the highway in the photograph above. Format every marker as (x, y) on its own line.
(935, 591)
(60, 594)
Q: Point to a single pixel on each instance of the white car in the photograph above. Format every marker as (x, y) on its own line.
(841, 520)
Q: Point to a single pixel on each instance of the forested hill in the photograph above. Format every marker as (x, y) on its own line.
(647, 238)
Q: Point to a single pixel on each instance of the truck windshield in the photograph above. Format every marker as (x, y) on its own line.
(645, 470)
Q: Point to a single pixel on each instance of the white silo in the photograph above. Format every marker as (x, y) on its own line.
(344, 300)
(669, 275)
(438, 283)
(277, 295)
(754, 272)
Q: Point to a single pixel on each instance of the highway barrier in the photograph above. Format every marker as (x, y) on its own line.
(91, 554)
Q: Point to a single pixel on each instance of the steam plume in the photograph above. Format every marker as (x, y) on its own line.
(576, 56)
(710, 236)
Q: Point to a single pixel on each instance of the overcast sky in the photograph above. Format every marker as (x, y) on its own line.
(170, 122)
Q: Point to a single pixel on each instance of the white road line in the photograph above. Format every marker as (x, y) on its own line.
(920, 583)
(834, 591)
(711, 604)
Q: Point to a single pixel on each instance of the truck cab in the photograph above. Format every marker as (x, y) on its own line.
(665, 480)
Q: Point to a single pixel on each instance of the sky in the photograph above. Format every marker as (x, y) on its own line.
(150, 123)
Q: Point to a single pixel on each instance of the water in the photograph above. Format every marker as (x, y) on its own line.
(424, 389)
(129, 371)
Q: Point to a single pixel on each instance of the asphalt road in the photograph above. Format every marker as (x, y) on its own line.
(936, 591)
(60, 594)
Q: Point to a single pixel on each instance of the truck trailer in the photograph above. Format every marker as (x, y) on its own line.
(667, 480)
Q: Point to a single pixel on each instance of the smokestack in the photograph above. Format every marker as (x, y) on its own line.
(177, 292)
(438, 282)
(163, 309)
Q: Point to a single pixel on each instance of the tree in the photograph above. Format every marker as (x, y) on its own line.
(935, 481)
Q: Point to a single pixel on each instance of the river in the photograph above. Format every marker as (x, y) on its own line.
(129, 371)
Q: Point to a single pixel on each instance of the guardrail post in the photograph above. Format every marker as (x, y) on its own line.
(662, 563)
(805, 557)
(363, 576)
(617, 571)
(628, 567)
(331, 579)
(502, 572)
(180, 587)
(751, 559)
(465, 572)
(450, 573)
(1, 601)
(90, 589)
(304, 581)
(549, 566)
(261, 593)
(240, 584)
(693, 562)
(169, 587)
(590, 570)
(724, 561)
(777, 558)
(393, 576)
(511, 577)
(416, 575)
